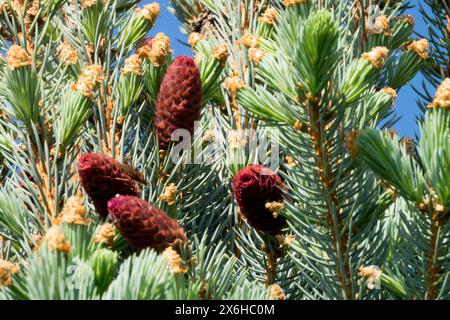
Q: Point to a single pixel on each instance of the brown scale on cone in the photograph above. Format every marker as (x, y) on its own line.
(102, 178)
(143, 225)
(179, 101)
(254, 187)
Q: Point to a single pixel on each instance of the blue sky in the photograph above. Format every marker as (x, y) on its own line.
(406, 106)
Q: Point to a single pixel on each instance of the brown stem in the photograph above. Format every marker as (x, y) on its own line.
(447, 70)
(433, 268)
(272, 253)
(47, 190)
(108, 107)
(359, 22)
(239, 222)
(327, 181)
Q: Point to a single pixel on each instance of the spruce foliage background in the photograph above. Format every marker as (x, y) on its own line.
(88, 102)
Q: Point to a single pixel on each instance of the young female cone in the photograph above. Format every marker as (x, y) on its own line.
(254, 187)
(179, 100)
(102, 178)
(144, 225)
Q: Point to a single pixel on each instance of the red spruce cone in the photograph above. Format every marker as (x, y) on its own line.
(102, 178)
(179, 100)
(143, 225)
(252, 190)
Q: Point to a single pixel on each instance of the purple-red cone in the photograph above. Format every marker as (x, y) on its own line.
(179, 100)
(144, 225)
(102, 178)
(253, 187)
